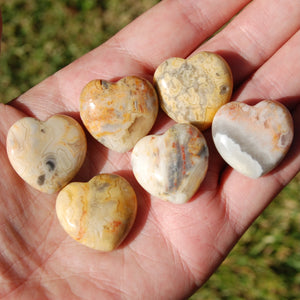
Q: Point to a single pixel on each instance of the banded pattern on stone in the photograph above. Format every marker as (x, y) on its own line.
(253, 140)
(171, 166)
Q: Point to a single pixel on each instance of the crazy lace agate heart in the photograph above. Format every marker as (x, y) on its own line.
(192, 90)
(253, 139)
(47, 155)
(171, 166)
(119, 114)
(100, 213)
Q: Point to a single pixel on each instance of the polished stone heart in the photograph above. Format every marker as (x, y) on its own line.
(192, 90)
(253, 139)
(119, 114)
(100, 213)
(47, 155)
(171, 166)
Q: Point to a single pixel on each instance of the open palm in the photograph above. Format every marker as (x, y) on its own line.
(172, 249)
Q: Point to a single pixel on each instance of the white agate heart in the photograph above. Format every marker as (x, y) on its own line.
(47, 155)
(171, 166)
(253, 140)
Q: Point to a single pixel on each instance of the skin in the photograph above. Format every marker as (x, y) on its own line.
(172, 249)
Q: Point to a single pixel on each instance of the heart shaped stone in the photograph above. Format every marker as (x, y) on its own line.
(119, 114)
(192, 90)
(47, 155)
(253, 139)
(100, 213)
(171, 166)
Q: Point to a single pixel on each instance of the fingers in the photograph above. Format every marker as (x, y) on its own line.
(255, 35)
(277, 79)
(8, 116)
(172, 28)
(271, 55)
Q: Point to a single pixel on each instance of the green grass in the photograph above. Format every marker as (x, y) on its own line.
(42, 36)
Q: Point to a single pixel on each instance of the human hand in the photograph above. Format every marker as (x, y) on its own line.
(172, 249)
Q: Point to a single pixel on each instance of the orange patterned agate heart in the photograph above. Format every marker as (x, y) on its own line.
(119, 114)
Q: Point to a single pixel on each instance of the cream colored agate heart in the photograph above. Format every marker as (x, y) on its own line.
(253, 140)
(47, 155)
(100, 213)
(119, 114)
(171, 166)
(192, 90)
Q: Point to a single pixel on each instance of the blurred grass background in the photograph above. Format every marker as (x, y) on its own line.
(42, 36)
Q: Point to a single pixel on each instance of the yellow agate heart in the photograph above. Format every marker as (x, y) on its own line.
(99, 213)
(192, 90)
